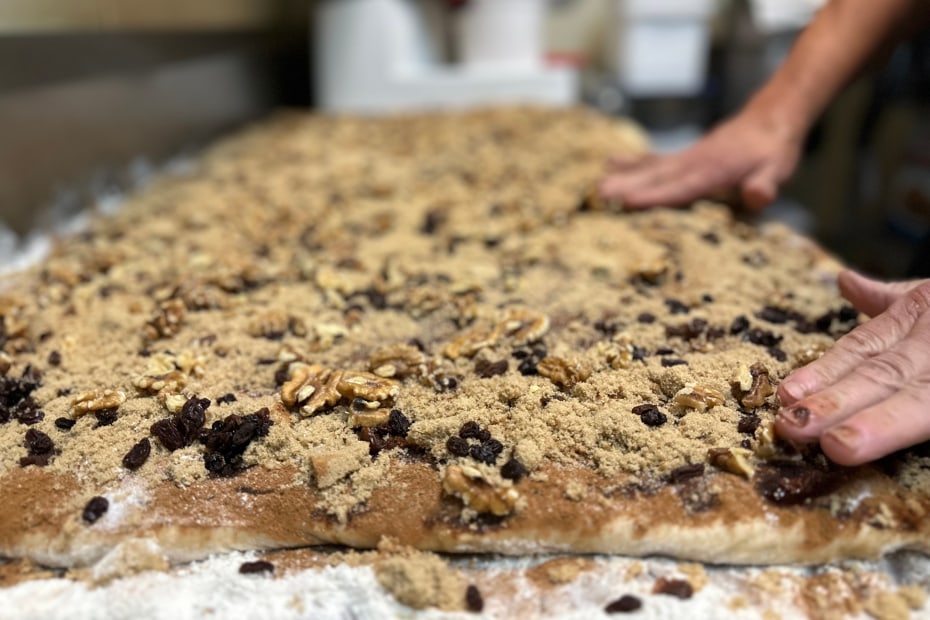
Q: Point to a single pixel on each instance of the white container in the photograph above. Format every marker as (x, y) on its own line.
(659, 48)
(501, 34)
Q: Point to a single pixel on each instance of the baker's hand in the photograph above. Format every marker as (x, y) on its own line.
(744, 159)
(869, 395)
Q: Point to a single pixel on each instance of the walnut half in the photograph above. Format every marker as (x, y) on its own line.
(311, 387)
(756, 386)
(97, 400)
(698, 397)
(563, 373)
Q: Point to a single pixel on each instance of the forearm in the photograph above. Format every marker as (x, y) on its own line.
(841, 41)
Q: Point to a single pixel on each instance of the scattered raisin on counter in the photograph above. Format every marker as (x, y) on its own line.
(668, 362)
(226, 399)
(183, 428)
(486, 369)
(398, 424)
(748, 424)
(105, 417)
(64, 424)
(95, 508)
(40, 448)
(257, 567)
(513, 470)
(673, 587)
(54, 358)
(227, 440)
(138, 454)
(650, 414)
(624, 605)
(474, 602)
(457, 446)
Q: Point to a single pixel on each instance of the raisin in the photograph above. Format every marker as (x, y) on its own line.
(762, 337)
(469, 430)
(608, 328)
(686, 331)
(54, 358)
(639, 353)
(847, 314)
(457, 446)
(192, 418)
(398, 424)
(645, 407)
(376, 298)
(624, 605)
(95, 508)
(676, 306)
(65, 424)
(474, 602)
(484, 452)
(668, 362)
(138, 454)
(105, 417)
(739, 325)
(527, 367)
(227, 440)
(673, 587)
(446, 384)
(281, 375)
(255, 568)
(28, 413)
(715, 333)
(513, 470)
(167, 432)
(794, 483)
(646, 318)
(686, 472)
(665, 351)
(653, 417)
(777, 353)
(433, 221)
(774, 315)
(486, 369)
(711, 238)
(748, 424)
(483, 435)
(38, 443)
(707, 298)
(226, 399)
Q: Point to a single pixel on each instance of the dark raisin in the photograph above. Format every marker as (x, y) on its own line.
(847, 314)
(645, 407)
(416, 342)
(639, 353)
(27, 413)
(513, 470)
(486, 369)
(226, 399)
(446, 384)
(646, 318)
(54, 358)
(226, 441)
(457, 446)
(715, 333)
(624, 605)
(192, 418)
(739, 325)
(483, 453)
(527, 367)
(167, 432)
(38, 443)
(653, 417)
(673, 587)
(469, 430)
(255, 568)
(95, 508)
(281, 375)
(665, 351)
(707, 298)
(686, 331)
(65, 424)
(676, 306)
(433, 221)
(771, 314)
(359, 404)
(778, 354)
(520, 354)
(473, 599)
(686, 472)
(748, 424)
(668, 362)
(398, 424)
(762, 337)
(63, 392)
(711, 238)
(105, 417)
(483, 435)
(138, 454)
(608, 328)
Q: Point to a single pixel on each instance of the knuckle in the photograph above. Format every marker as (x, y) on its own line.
(863, 341)
(891, 369)
(916, 302)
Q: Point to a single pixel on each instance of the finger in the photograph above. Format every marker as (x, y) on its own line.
(621, 163)
(619, 185)
(872, 297)
(759, 189)
(895, 423)
(873, 381)
(862, 343)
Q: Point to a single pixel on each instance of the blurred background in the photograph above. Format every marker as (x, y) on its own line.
(94, 94)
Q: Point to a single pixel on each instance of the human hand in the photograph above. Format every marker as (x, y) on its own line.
(869, 395)
(745, 158)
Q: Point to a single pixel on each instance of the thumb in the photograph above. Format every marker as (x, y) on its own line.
(871, 296)
(759, 189)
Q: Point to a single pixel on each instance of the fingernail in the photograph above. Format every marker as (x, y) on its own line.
(845, 436)
(791, 389)
(797, 416)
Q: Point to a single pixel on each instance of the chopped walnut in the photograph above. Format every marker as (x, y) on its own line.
(166, 320)
(400, 360)
(477, 493)
(764, 446)
(312, 387)
(472, 341)
(732, 460)
(167, 373)
(170, 382)
(525, 326)
(175, 402)
(272, 325)
(759, 386)
(563, 373)
(97, 400)
(368, 419)
(811, 354)
(698, 397)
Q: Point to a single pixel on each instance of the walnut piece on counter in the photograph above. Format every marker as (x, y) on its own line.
(698, 397)
(97, 400)
(398, 361)
(312, 387)
(472, 341)
(564, 373)
(525, 326)
(469, 485)
(166, 319)
(755, 385)
(732, 460)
